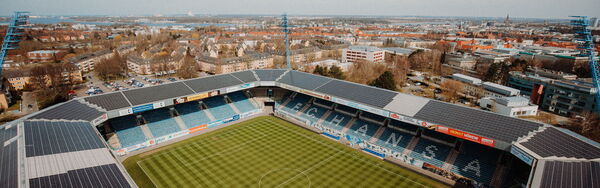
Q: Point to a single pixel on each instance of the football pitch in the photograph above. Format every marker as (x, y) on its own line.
(266, 152)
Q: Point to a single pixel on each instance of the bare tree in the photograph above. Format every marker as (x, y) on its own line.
(451, 90)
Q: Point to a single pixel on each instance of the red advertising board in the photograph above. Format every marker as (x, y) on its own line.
(466, 136)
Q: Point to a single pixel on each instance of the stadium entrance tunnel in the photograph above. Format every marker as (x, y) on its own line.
(284, 177)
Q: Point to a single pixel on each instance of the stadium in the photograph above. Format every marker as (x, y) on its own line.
(285, 128)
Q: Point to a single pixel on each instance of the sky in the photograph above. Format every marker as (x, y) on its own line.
(470, 8)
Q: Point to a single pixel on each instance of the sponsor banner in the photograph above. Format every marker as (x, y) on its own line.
(405, 119)
(170, 136)
(198, 128)
(100, 119)
(466, 136)
(361, 107)
(267, 83)
(521, 155)
(374, 153)
(142, 108)
(125, 112)
(158, 105)
(195, 97)
(331, 136)
(240, 87)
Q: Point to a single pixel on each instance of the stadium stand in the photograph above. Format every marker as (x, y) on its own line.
(431, 152)
(476, 161)
(160, 123)
(313, 113)
(191, 114)
(362, 130)
(127, 130)
(296, 104)
(394, 139)
(218, 107)
(336, 120)
(241, 101)
(556, 153)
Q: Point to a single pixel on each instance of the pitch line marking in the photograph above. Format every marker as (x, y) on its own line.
(274, 170)
(148, 175)
(310, 168)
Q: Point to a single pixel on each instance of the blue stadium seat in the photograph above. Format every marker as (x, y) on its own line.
(394, 139)
(296, 104)
(431, 152)
(219, 108)
(476, 161)
(313, 113)
(336, 120)
(160, 123)
(362, 130)
(127, 130)
(241, 101)
(191, 114)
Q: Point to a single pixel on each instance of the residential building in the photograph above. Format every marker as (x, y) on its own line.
(475, 87)
(329, 63)
(509, 106)
(20, 79)
(44, 56)
(86, 62)
(226, 65)
(154, 66)
(355, 54)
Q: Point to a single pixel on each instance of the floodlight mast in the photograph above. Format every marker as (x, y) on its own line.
(286, 31)
(583, 36)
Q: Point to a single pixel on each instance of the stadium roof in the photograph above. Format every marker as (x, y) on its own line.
(54, 141)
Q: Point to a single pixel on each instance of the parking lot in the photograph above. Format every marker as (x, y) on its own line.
(95, 86)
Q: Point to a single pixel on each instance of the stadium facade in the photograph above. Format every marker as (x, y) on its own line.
(62, 146)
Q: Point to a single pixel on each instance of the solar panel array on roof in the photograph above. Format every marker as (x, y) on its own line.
(99, 176)
(268, 75)
(213, 82)
(156, 93)
(8, 158)
(110, 101)
(303, 80)
(245, 76)
(561, 174)
(71, 110)
(474, 121)
(553, 142)
(45, 137)
(356, 92)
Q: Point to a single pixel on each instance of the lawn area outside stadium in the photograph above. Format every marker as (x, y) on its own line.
(266, 152)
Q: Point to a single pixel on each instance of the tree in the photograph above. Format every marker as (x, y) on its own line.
(188, 68)
(323, 71)
(111, 68)
(385, 81)
(451, 90)
(336, 72)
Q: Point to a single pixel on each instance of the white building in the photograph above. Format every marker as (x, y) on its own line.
(509, 106)
(332, 62)
(354, 54)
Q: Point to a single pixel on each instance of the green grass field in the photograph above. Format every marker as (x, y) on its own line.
(266, 152)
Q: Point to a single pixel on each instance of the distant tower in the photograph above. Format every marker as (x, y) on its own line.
(14, 34)
(507, 20)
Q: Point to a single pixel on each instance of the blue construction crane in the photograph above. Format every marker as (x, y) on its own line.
(286, 30)
(583, 36)
(14, 34)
